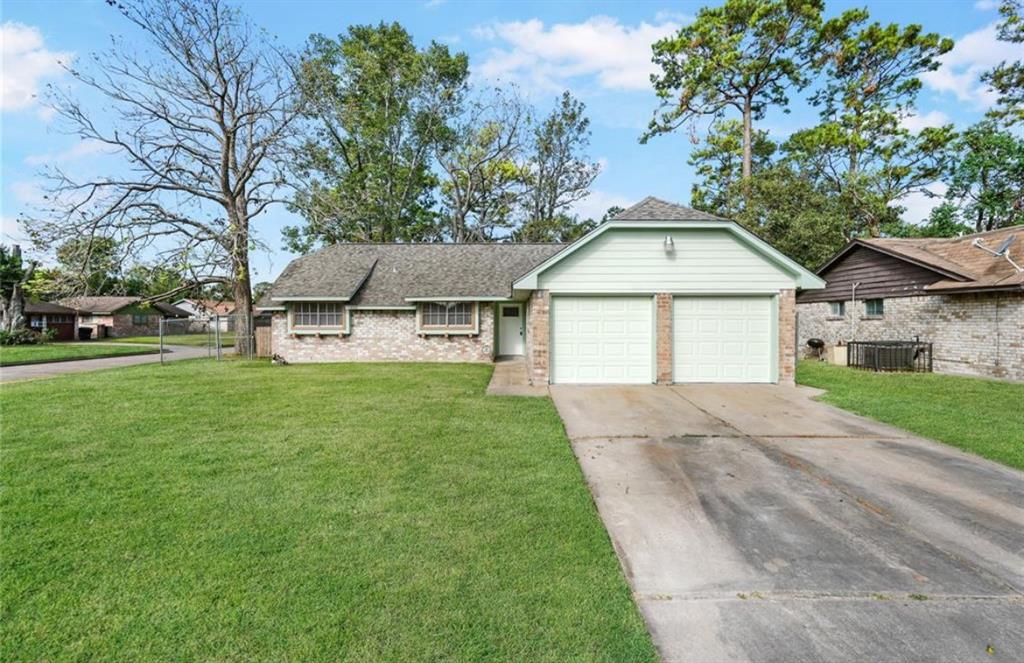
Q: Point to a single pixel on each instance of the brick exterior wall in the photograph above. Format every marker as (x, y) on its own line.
(663, 337)
(121, 325)
(787, 337)
(385, 336)
(538, 336)
(972, 334)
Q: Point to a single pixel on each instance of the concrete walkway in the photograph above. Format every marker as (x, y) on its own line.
(510, 379)
(35, 371)
(755, 524)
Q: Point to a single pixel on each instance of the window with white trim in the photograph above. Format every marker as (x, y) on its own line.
(318, 315)
(437, 315)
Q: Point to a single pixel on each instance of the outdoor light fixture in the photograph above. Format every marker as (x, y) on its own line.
(670, 246)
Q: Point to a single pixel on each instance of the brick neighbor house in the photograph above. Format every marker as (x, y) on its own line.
(661, 293)
(43, 316)
(952, 293)
(122, 316)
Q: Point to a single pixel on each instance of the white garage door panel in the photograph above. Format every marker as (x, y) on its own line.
(601, 340)
(722, 339)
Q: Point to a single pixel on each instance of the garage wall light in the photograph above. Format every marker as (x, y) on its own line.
(670, 246)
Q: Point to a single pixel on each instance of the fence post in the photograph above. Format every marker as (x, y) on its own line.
(160, 326)
(216, 333)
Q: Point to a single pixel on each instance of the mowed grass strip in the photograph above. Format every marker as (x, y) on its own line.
(236, 510)
(14, 355)
(198, 340)
(985, 417)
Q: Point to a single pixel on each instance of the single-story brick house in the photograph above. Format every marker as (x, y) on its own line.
(43, 316)
(952, 293)
(122, 316)
(661, 293)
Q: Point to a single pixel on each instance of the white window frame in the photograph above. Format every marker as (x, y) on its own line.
(472, 329)
(318, 330)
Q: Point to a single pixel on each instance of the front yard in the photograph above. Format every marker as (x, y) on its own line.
(13, 355)
(236, 510)
(981, 416)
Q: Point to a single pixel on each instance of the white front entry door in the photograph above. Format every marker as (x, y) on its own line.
(722, 339)
(510, 329)
(602, 340)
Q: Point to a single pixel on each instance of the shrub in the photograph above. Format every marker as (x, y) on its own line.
(26, 337)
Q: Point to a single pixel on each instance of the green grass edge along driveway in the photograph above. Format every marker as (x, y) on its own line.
(985, 417)
(19, 355)
(237, 510)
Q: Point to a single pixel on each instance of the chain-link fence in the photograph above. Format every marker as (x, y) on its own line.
(218, 335)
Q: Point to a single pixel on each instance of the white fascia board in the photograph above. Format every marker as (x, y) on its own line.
(805, 278)
(309, 299)
(381, 308)
(265, 308)
(457, 299)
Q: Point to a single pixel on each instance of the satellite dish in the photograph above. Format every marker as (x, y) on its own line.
(1005, 245)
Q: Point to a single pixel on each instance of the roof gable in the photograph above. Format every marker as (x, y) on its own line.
(655, 209)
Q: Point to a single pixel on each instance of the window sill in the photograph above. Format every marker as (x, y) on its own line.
(835, 318)
(872, 317)
(448, 332)
(318, 332)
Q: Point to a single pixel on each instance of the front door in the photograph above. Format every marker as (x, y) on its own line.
(510, 329)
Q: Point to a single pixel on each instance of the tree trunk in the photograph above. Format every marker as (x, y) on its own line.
(241, 281)
(13, 308)
(748, 148)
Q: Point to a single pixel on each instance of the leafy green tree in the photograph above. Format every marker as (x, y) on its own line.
(89, 266)
(986, 179)
(156, 280)
(718, 166)
(378, 107)
(1008, 78)
(944, 221)
(484, 175)
(742, 55)
(861, 153)
(560, 172)
(563, 228)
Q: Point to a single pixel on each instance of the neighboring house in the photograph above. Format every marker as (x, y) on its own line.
(46, 315)
(207, 309)
(122, 316)
(965, 301)
(661, 293)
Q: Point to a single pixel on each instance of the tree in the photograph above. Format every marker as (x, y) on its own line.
(1008, 78)
(563, 228)
(718, 166)
(860, 152)
(742, 55)
(944, 221)
(150, 281)
(88, 266)
(261, 289)
(986, 179)
(484, 175)
(378, 109)
(560, 173)
(14, 276)
(201, 124)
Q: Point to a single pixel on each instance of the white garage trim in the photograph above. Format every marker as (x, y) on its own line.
(725, 339)
(602, 339)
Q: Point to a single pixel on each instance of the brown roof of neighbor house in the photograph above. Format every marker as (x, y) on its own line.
(110, 304)
(390, 274)
(965, 266)
(655, 209)
(42, 308)
(216, 306)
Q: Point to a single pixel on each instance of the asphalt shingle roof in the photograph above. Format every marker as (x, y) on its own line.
(111, 304)
(655, 209)
(40, 308)
(387, 274)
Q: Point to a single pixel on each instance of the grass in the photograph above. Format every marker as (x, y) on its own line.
(241, 511)
(193, 340)
(14, 355)
(984, 417)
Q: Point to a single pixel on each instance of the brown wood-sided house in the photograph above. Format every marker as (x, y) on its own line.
(953, 293)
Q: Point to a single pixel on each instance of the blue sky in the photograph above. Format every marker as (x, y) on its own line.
(599, 50)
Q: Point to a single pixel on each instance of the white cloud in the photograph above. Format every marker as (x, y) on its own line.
(545, 57)
(433, 4)
(915, 123)
(597, 203)
(986, 5)
(27, 192)
(26, 61)
(919, 205)
(961, 70)
(85, 148)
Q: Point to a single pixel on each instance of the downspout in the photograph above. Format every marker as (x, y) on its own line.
(853, 311)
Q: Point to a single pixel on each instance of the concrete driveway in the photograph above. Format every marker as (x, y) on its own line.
(755, 524)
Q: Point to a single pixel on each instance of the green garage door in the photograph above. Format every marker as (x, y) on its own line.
(602, 340)
(722, 339)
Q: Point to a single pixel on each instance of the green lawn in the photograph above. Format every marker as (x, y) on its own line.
(193, 340)
(11, 355)
(981, 416)
(241, 511)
